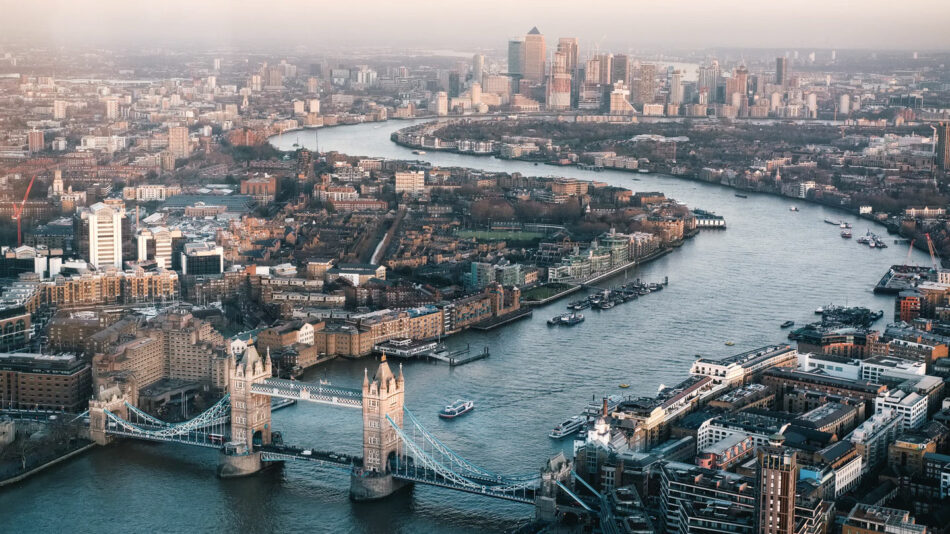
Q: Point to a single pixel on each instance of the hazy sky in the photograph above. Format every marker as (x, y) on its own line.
(619, 25)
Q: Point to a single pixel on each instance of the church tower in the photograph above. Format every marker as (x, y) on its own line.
(382, 396)
(250, 412)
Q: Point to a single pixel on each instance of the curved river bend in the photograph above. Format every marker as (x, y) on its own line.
(737, 285)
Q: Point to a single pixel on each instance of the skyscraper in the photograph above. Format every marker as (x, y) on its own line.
(559, 83)
(606, 68)
(620, 69)
(676, 87)
(516, 59)
(776, 477)
(534, 54)
(568, 46)
(104, 229)
(943, 145)
(781, 71)
(478, 66)
(646, 83)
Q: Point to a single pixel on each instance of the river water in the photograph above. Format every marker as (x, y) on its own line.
(738, 285)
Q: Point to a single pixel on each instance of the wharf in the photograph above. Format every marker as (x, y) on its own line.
(902, 277)
(459, 357)
(503, 319)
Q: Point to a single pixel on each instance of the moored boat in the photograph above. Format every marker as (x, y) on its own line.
(788, 324)
(567, 428)
(793, 208)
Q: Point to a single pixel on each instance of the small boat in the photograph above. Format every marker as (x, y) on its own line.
(788, 324)
(793, 208)
(643, 171)
(556, 320)
(730, 343)
(832, 221)
(740, 195)
(846, 234)
(845, 224)
(624, 386)
(567, 428)
(419, 152)
(572, 319)
(457, 408)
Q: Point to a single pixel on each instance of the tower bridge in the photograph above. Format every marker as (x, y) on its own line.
(397, 451)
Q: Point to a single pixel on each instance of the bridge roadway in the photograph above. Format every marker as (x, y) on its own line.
(278, 453)
(303, 391)
(149, 433)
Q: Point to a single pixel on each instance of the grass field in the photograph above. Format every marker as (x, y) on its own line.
(545, 291)
(489, 235)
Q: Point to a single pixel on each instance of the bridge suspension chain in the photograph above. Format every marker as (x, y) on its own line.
(466, 466)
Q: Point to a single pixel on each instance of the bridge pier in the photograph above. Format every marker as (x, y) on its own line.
(374, 486)
(234, 462)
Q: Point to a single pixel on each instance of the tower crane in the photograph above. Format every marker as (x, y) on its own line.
(18, 213)
(933, 252)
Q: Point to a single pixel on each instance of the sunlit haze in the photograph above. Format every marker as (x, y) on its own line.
(638, 24)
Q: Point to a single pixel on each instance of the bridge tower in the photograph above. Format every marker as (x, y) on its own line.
(383, 396)
(250, 416)
(112, 399)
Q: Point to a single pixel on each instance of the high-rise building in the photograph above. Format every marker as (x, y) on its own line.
(202, 259)
(158, 244)
(112, 109)
(646, 83)
(943, 145)
(676, 87)
(274, 78)
(516, 58)
(104, 233)
(559, 83)
(592, 71)
(217, 63)
(569, 47)
(59, 109)
(534, 54)
(606, 67)
(620, 69)
(35, 141)
(478, 68)
(776, 479)
(708, 77)
(844, 104)
(440, 104)
(781, 71)
(412, 182)
(178, 142)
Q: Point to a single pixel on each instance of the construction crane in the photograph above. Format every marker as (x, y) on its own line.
(933, 252)
(910, 250)
(18, 213)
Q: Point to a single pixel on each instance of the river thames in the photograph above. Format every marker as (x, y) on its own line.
(769, 266)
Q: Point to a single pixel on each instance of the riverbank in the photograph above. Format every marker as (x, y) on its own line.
(693, 177)
(577, 286)
(42, 467)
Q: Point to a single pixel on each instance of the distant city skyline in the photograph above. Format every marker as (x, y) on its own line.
(875, 24)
